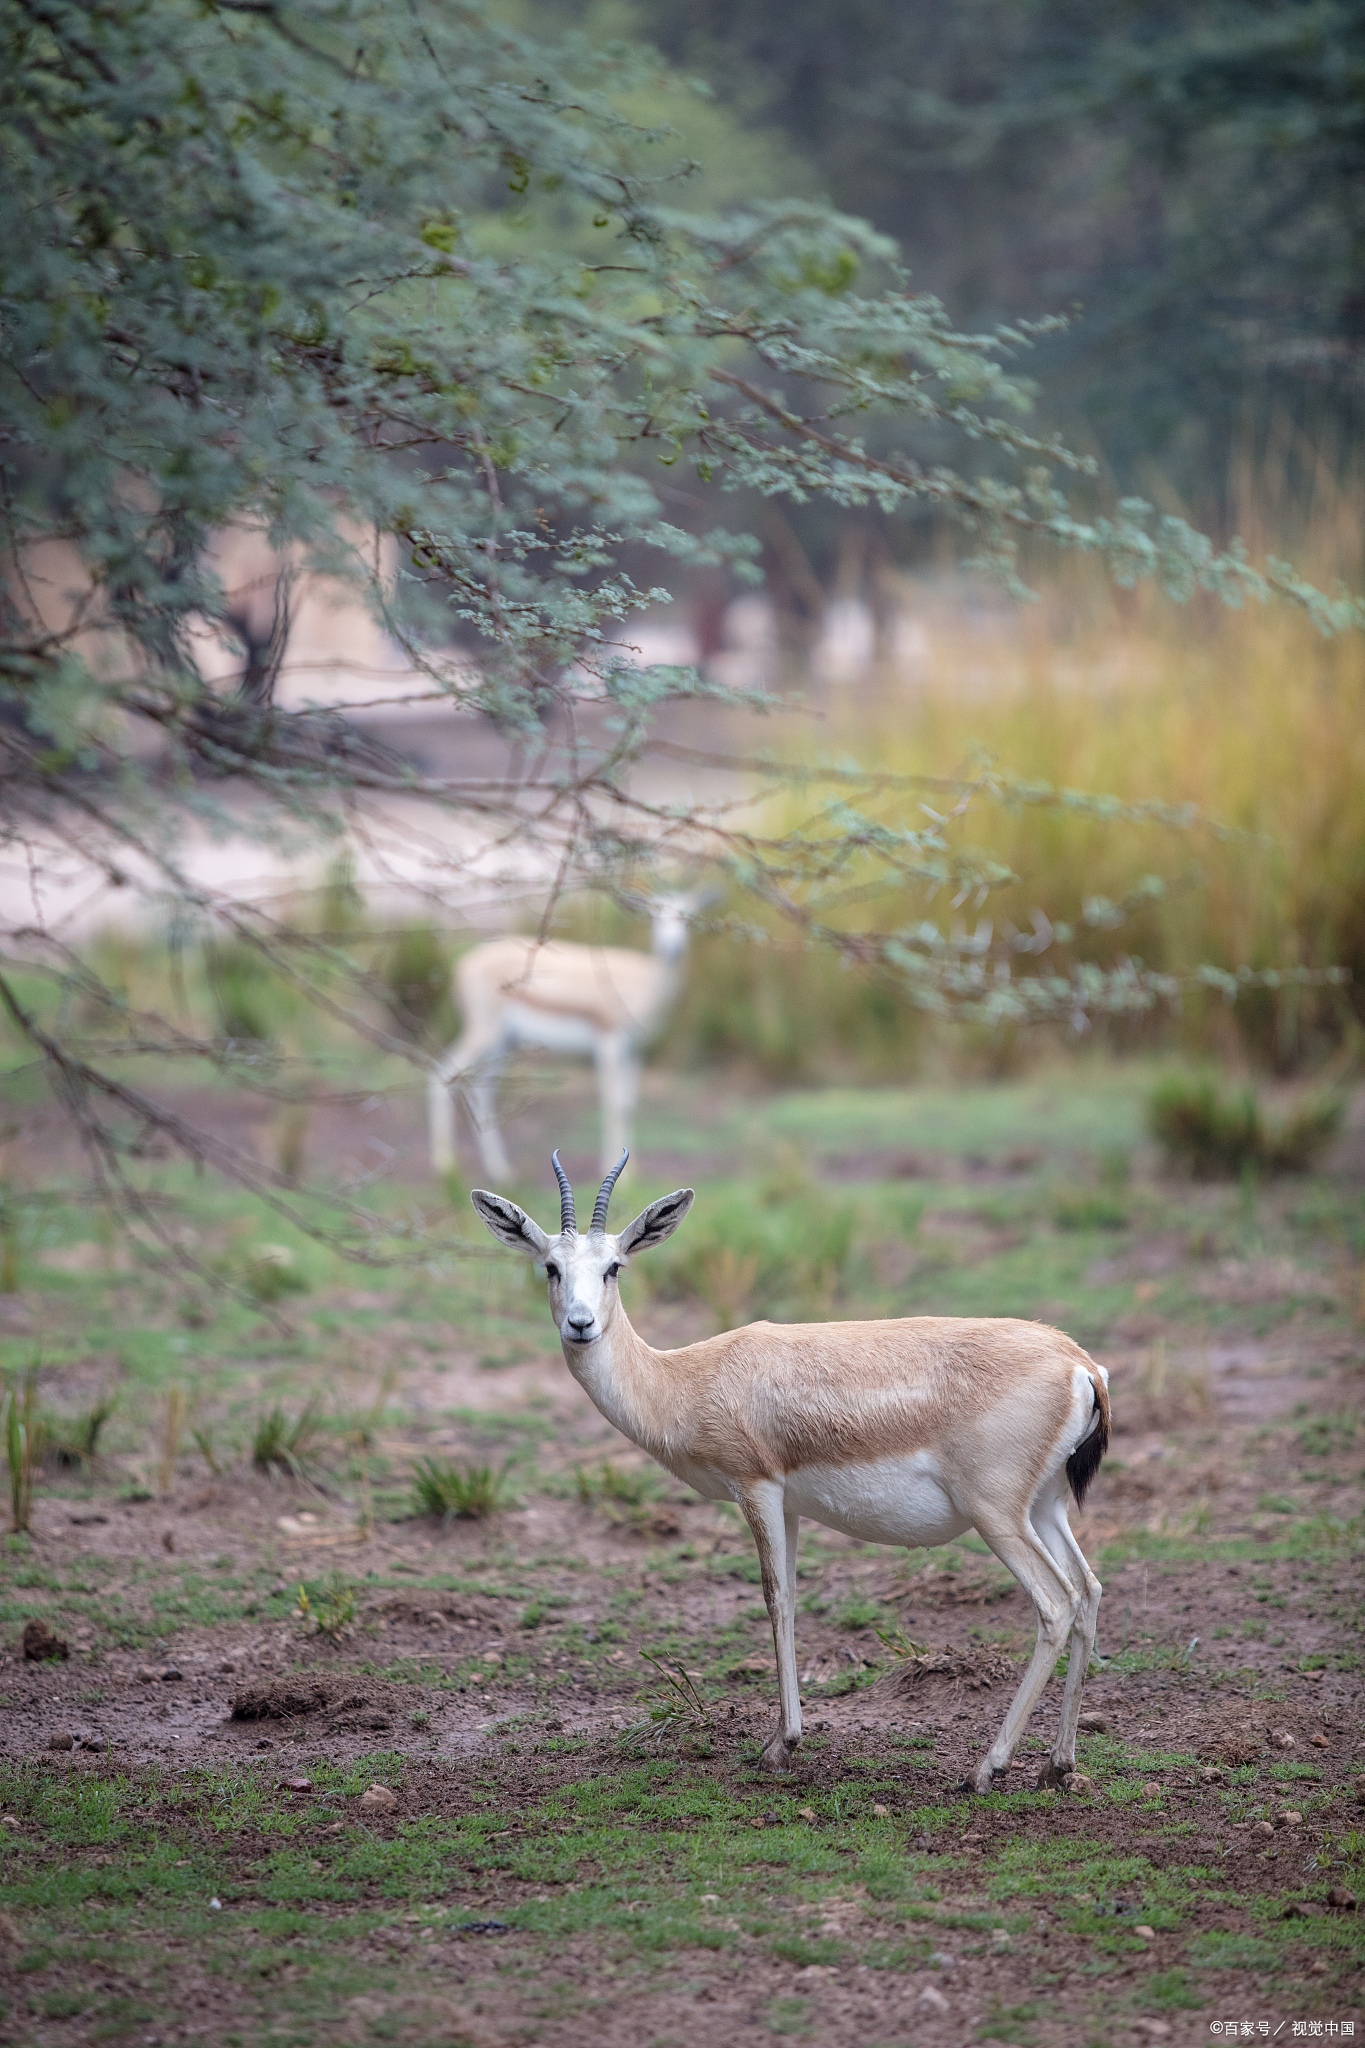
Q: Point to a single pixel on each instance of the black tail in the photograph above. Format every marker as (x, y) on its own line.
(1084, 1461)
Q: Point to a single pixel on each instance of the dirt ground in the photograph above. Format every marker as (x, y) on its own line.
(185, 1854)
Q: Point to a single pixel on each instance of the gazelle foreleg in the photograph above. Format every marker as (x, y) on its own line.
(480, 1056)
(440, 1120)
(774, 1527)
(1055, 1530)
(1057, 1604)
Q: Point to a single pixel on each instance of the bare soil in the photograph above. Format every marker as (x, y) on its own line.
(493, 1667)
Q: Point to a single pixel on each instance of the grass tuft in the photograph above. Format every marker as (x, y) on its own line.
(632, 1488)
(272, 1272)
(1091, 1209)
(331, 1613)
(1217, 1136)
(279, 1444)
(672, 1704)
(468, 1492)
(22, 1430)
(415, 976)
(75, 1442)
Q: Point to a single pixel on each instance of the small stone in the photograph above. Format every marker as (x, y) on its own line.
(1282, 1739)
(1153, 2030)
(941, 1961)
(378, 1799)
(227, 1665)
(1319, 1741)
(41, 1646)
(1145, 1933)
(1077, 1782)
(1211, 1775)
(1289, 1818)
(147, 1674)
(1341, 1900)
(1151, 1790)
(61, 1742)
(882, 1812)
(492, 1657)
(1319, 1968)
(1360, 1791)
(9, 1820)
(1093, 1724)
(96, 1744)
(171, 1673)
(168, 1539)
(1263, 1827)
(931, 1999)
(805, 1813)
(296, 1784)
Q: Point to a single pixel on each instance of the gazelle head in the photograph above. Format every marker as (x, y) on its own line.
(671, 916)
(582, 1269)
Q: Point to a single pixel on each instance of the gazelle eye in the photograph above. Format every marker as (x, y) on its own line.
(612, 1272)
(551, 1272)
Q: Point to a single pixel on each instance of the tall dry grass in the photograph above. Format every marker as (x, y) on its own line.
(1249, 715)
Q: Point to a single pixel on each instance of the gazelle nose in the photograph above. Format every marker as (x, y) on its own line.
(580, 1322)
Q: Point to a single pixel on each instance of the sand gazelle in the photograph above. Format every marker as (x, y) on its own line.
(908, 1431)
(604, 1000)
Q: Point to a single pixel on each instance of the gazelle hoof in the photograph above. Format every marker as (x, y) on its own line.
(1054, 1776)
(777, 1756)
(987, 1781)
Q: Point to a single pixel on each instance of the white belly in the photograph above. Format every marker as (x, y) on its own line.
(703, 1479)
(523, 1024)
(896, 1500)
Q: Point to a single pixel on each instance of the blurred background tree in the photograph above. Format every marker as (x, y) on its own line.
(1193, 176)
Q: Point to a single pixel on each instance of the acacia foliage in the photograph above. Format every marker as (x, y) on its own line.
(269, 276)
(254, 285)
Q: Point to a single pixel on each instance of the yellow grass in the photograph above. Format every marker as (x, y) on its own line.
(1250, 715)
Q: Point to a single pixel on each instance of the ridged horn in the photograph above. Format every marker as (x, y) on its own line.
(568, 1223)
(603, 1202)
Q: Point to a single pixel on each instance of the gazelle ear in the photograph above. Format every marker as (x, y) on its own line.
(509, 1224)
(658, 1221)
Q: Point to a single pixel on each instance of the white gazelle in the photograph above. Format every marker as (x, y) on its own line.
(909, 1431)
(606, 1001)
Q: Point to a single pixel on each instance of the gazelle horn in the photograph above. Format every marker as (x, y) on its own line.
(603, 1202)
(567, 1220)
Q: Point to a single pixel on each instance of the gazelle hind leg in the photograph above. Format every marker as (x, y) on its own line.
(1055, 1531)
(774, 1531)
(1057, 1603)
(618, 1083)
(481, 1092)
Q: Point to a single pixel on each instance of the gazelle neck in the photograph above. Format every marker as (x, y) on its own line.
(623, 1378)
